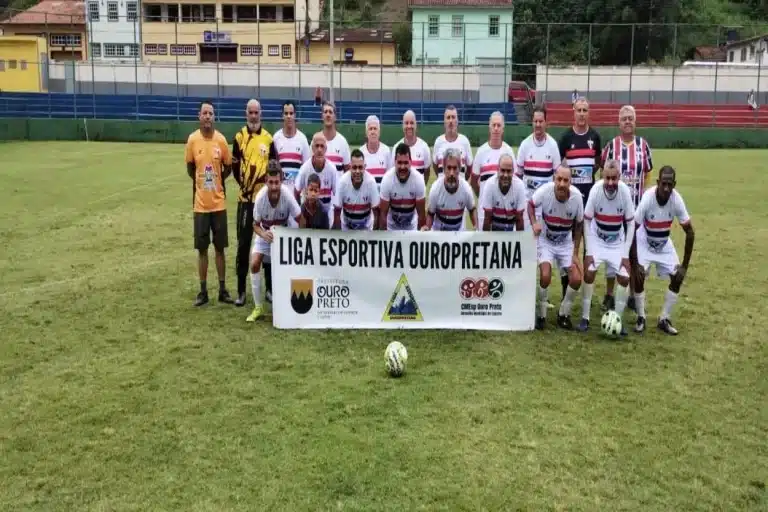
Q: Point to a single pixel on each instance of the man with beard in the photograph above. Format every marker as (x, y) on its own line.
(291, 145)
(337, 147)
(450, 197)
(420, 156)
(252, 148)
(609, 212)
(402, 199)
(356, 202)
(378, 157)
(503, 200)
(659, 206)
(560, 206)
(273, 206)
(452, 139)
(320, 166)
(486, 162)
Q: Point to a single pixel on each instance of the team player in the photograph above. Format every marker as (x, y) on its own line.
(420, 155)
(486, 162)
(337, 146)
(324, 169)
(449, 197)
(356, 202)
(538, 155)
(609, 209)
(273, 206)
(378, 156)
(659, 206)
(556, 211)
(451, 139)
(313, 216)
(291, 145)
(503, 200)
(402, 201)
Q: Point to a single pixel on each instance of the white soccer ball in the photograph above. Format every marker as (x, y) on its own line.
(611, 324)
(395, 358)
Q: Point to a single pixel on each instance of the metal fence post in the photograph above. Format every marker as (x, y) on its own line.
(674, 70)
(381, 75)
(546, 60)
(93, 66)
(464, 63)
(589, 60)
(714, 96)
(631, 62)
(423, 58)
(136, 71)
(176, 41)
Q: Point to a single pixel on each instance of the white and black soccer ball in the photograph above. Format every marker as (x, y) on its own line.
(395, 357)
(611, 324)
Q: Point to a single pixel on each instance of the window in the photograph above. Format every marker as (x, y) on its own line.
(183, 49)
(286, 51)
(289, 14)
(162, 49)
(730, 56)
(96, 50)
(457, 61)
(12, 64)
(133, 50)
(93, 11)
(268, 13)
(433, 62)
(419, 62)
(23, 65)
(250, 50)
(2, 65)
(150, 49)
(209, 13)
(434, 26)
(153, 12)
(114, 50)
(247, 14)
(112, 14)
(458, 26)
(751, 51)
(743, 54)
(227, 13)
(65, 39)
(132, 11)
(173, 13)
(493, 26)
(274, 50)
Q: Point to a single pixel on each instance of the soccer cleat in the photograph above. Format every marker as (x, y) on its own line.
(583, 325)
(255, 314)
(666, 326)
(631, 303)
(564, 322)
(268, 296)
(608, 303)
(225, 297)
(540, 321)
(640, 324)
(241, 300)
(202, 299)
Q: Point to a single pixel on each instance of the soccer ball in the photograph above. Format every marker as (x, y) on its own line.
(395, 358)
(611, 324)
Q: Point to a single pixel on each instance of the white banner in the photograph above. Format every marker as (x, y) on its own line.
(403, 280)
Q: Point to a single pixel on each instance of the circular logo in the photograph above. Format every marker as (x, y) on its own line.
(481, 288)
(467, 288)
(496, 288)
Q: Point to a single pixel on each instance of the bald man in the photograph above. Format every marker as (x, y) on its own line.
(252, 149)
(420, 154)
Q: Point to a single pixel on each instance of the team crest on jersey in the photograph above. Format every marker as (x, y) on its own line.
(590, 143)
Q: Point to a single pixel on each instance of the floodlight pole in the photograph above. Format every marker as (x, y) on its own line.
(330, 55)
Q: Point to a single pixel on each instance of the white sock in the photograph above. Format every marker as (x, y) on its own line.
(640, 304)
(669, 300)
(256, 288)
(567, 304)
(622, 294)
(543, 302)
(586, 299)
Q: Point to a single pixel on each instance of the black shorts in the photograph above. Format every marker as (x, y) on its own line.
(211, 223)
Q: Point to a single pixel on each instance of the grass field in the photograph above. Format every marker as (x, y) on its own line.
(116, 394)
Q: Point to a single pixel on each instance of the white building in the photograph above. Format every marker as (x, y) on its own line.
(748, 51)
(114, 28)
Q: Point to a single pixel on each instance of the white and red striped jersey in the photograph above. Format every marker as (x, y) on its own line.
(503, 209)
(420, 155)
(461, 144)
(635, 162)
(655, 221)
(377, 163)
(448, 208)
(609, 213)
(291, 153)
(537, 161)
(558, 218)
(267, 215)
(338, 152)
(328, 180)
(402, 199)
(486, 162)
(356, 204)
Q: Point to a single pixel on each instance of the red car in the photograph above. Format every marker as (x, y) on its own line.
(519, 92)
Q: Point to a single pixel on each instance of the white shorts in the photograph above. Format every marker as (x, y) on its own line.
(561, 254)
(261, 246)
(611, 256)
(665, 260)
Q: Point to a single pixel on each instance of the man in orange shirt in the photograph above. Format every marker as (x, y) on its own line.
(209, 162)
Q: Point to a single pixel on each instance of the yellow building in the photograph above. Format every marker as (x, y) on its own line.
(60, 22)
(351, 46)
(23, 65)
(210, 31)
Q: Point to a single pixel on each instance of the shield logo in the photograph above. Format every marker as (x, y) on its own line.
(301, 295)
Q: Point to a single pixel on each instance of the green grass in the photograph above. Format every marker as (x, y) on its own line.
(118, 395)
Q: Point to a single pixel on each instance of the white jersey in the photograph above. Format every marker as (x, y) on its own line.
(656, 220)
(448, 208)
(328, 180)
(267, 215)
(376, 164)
(504, 209)
(559, 218)
(338, 152)
(486, 162)
(537, 162)
(461, 144)
(291, 153)
(356, 204)
(420, 155)
(609, 214)
(402, 199)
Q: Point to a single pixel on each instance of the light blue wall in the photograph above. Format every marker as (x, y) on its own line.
(476, 42)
